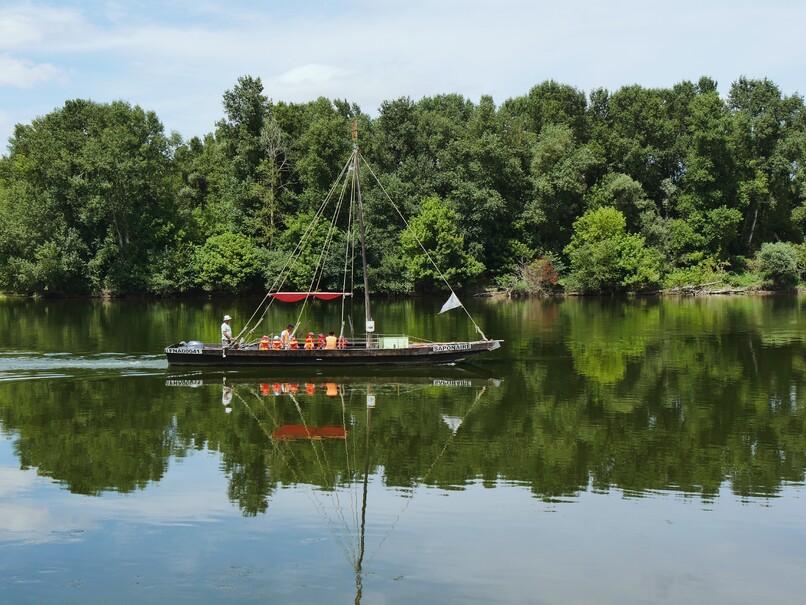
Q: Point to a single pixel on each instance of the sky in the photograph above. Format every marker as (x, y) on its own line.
(178, 57)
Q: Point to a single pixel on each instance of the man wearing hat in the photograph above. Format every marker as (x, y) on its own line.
(226, 331)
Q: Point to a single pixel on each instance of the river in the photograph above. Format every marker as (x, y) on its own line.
(612, 451)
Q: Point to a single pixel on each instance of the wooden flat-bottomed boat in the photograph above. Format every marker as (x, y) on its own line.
(370, 348)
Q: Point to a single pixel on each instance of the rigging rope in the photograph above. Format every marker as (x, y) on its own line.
(320, 268)
(318, 274)
(316, 503)
(281, 276)
(427, 254)
(426, 474)
(349, 235)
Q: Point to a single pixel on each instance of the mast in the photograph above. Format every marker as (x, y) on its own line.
(367, 313)
(359, 565)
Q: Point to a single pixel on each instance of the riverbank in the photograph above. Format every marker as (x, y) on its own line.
(747, 283)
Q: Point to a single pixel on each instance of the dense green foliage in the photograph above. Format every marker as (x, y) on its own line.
(778, 265)
(96, 198)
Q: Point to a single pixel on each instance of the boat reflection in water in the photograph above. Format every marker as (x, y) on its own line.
(318, 435)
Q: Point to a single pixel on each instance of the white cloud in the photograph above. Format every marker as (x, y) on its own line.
(178, 57)
(24, 74)
(18, 30)
(311, 74)
(29, 26)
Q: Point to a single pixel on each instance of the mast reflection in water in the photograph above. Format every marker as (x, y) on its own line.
(297, 437)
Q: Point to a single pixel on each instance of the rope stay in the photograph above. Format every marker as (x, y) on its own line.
(347, 548)
(344, 529)
(427, 474)
(347, 176)
(282, 274)
(427, 254)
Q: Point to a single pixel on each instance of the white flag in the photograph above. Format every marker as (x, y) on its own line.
(451, 303)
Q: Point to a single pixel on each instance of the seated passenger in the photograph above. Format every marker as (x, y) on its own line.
(342, 344)
(320, 344)
(309, 345)
(330, 341)
(264, 343)
(276, 344)
(292, 342)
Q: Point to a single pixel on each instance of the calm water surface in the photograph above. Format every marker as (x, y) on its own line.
(612, 451)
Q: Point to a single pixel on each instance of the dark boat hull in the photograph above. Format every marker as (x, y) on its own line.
(430, 354)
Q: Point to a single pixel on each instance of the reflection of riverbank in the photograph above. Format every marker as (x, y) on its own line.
(687, 395)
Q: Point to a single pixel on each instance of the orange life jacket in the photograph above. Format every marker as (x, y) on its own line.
(277, 345)
(293, 344)
(310, 388)
(342, 343)
(320, 344)
(264, 344)
(309, 342)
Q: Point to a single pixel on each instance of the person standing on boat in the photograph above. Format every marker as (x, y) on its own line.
(331, 340)
(285, 335)
(226, 331)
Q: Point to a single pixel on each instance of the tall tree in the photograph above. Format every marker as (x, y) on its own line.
(763, 120)
(98, 180)
(561, 169)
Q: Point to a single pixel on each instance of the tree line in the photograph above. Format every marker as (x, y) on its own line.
(633, 190)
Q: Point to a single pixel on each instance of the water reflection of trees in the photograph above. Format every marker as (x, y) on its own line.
(94, 435)
(689, 396)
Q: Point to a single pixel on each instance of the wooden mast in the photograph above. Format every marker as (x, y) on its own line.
(367, 313)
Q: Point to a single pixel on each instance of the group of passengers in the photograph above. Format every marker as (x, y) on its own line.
(287, 339)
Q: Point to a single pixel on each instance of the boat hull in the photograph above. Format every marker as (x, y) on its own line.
(426, 355)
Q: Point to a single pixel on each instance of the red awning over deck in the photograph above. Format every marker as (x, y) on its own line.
(297, 296)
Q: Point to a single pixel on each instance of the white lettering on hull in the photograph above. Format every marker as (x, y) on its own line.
(455, 346)
(452, 383)
(189, 350)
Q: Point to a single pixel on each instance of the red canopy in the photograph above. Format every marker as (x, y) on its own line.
(298, 296)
